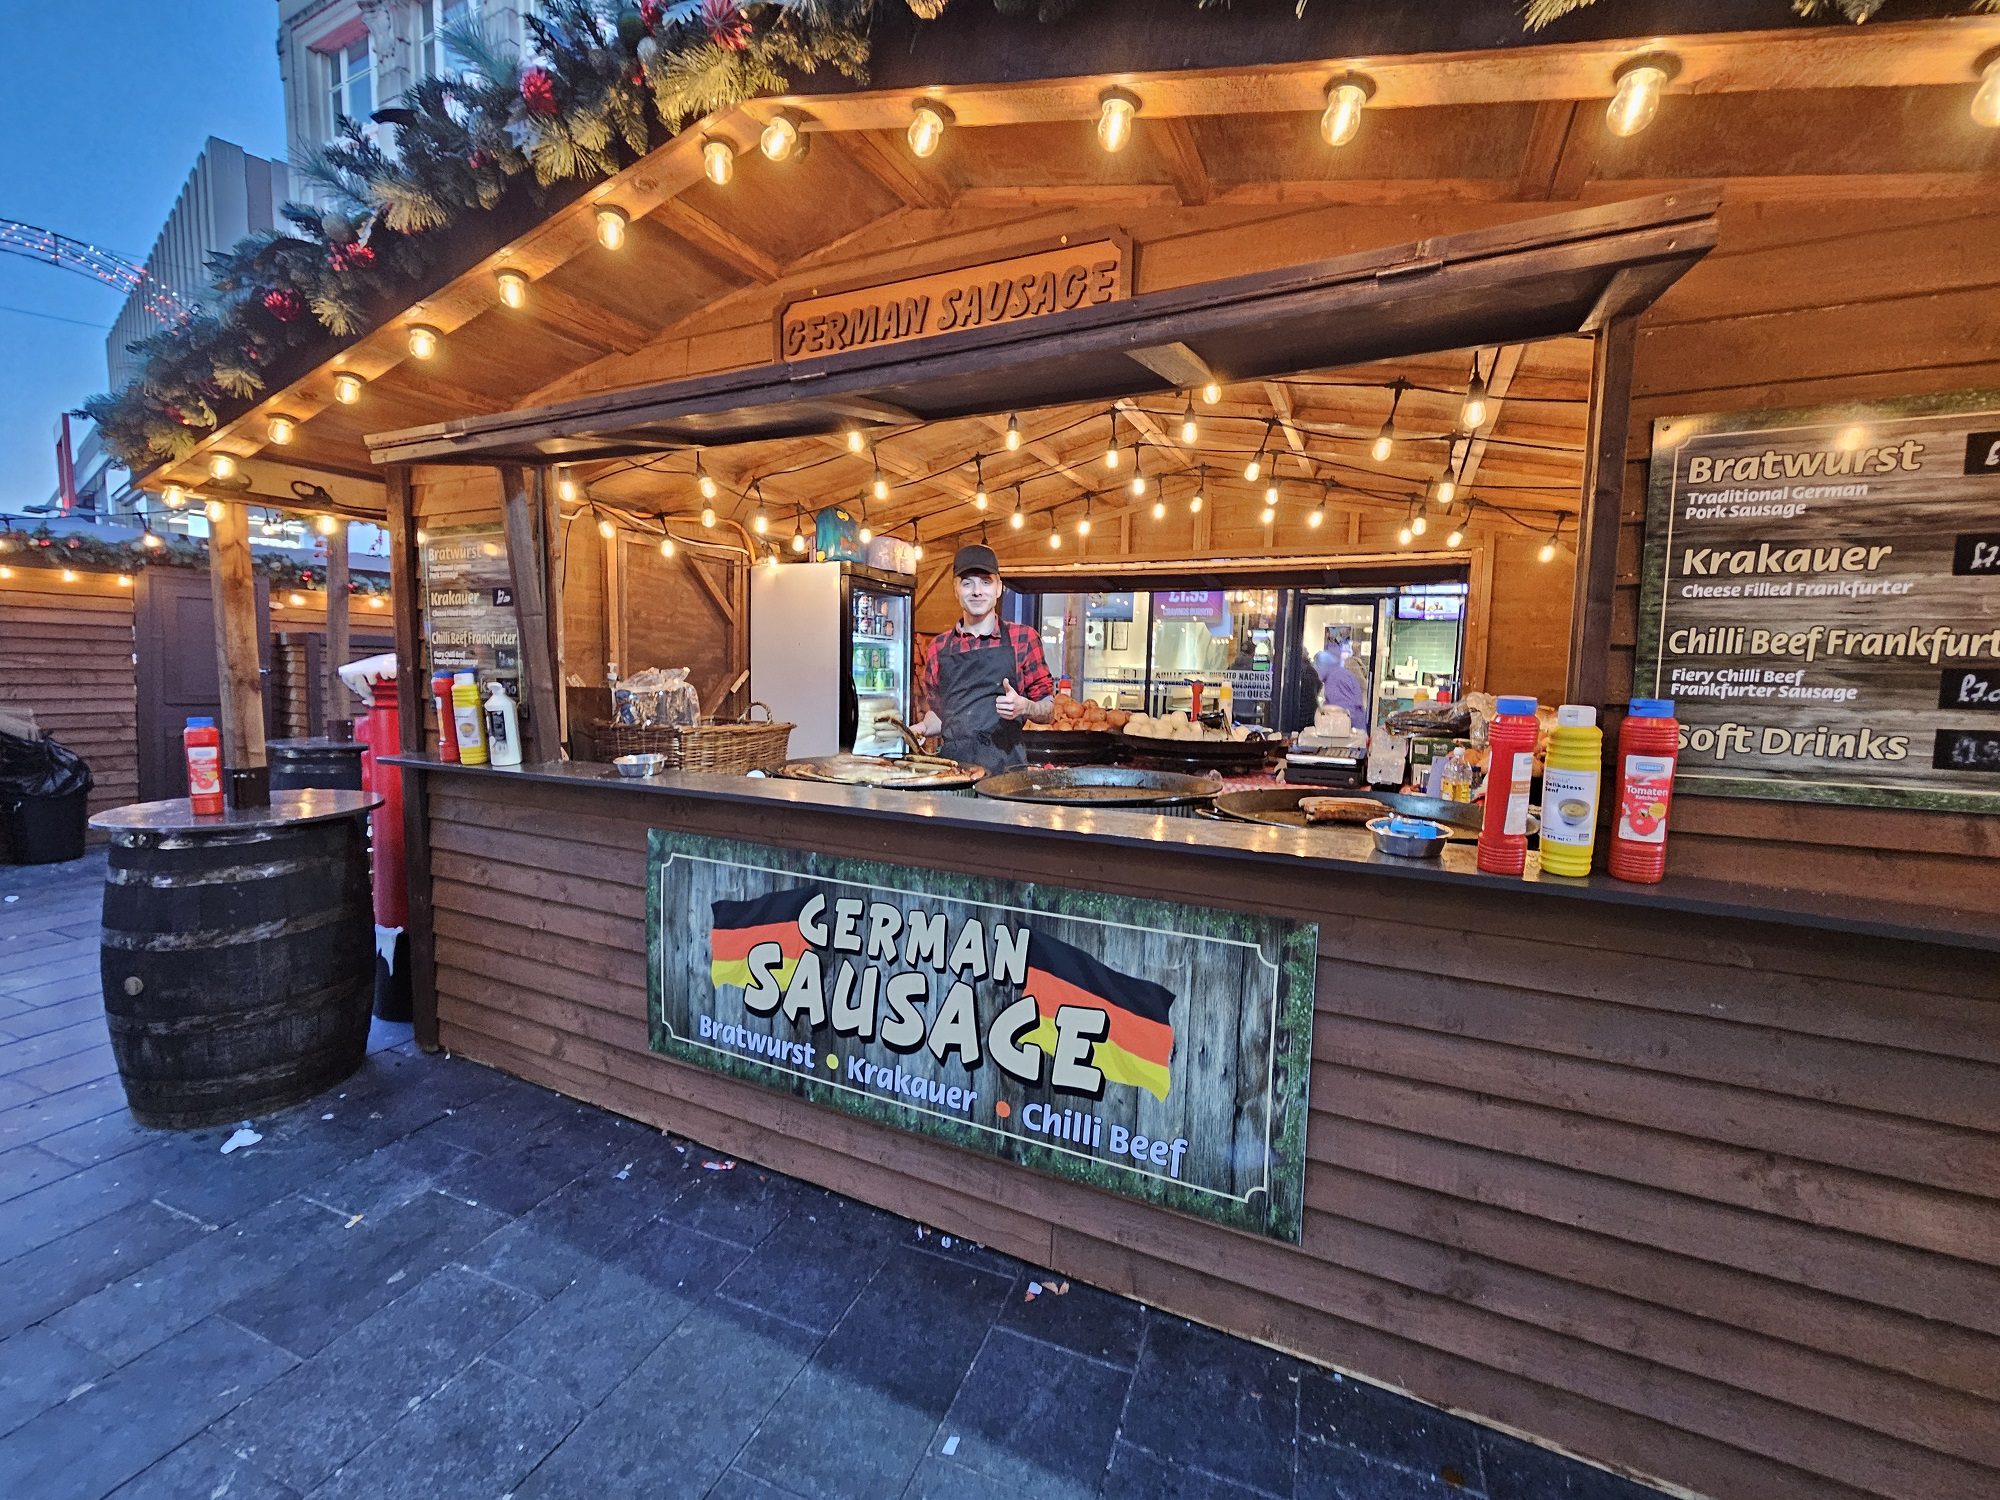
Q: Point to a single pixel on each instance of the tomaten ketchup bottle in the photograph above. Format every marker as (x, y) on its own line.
(1648, 741)
(202, 744)
(1510, 771)
(441, 686)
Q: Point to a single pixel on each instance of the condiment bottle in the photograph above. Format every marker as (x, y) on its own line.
(1510, 772)
(503, 728)
(202, 744)
(447, 736)
(1571, 775)
(465, 720)
(1455, 776)
(1648, 741)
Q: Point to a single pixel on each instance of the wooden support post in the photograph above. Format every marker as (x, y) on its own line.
(1597, 520)
(521, 502)
(233, 588)
(338, 704)
(412, 693)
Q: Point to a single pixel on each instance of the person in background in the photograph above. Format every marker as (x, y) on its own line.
(985, 677)
(1339, 684)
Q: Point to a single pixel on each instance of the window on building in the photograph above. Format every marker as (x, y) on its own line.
(350, 82)
(434, 18)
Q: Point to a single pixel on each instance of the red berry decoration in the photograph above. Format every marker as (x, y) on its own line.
(727, 25)
(284, 304)
(649, 12)
(538, 91)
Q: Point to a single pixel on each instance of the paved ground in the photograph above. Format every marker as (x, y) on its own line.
(437, 1282)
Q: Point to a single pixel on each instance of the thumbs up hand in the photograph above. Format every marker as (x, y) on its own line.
(1010, 704)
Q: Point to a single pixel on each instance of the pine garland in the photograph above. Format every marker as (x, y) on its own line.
(610, 81)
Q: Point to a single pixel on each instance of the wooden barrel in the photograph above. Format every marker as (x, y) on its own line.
(239, 962)
(315, 762)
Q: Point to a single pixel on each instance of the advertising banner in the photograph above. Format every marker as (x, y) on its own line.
(469, 619)
(1146, 1048)
(1821, 600)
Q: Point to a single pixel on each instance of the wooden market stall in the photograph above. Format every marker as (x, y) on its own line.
(1694, 1180)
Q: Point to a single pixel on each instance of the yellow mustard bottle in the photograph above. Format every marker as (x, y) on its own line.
(1571, 775)
(467, 719)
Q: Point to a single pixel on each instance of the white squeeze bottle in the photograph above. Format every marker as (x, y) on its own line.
(503, 728)
(465, 720)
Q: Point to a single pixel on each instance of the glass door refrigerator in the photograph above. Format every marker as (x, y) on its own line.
(877, 655)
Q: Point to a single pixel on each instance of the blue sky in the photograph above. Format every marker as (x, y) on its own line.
(110, 105)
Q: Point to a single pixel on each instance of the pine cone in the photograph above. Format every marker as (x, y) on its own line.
(538, 91)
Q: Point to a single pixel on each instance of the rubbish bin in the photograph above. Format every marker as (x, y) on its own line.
(43, 791)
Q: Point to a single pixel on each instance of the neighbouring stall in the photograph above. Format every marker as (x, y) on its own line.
(1695, 1178)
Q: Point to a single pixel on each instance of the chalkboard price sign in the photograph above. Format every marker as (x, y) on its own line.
(1821, 600)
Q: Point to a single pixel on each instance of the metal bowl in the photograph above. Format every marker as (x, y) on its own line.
(1411, 838)
(636, 766)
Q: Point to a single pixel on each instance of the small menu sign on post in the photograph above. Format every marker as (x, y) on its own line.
(1821, 600)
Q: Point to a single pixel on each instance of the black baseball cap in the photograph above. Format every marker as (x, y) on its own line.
(976, 558)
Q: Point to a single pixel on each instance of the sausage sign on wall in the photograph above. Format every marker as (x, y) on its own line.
(1821, 600)
(1143, 1047)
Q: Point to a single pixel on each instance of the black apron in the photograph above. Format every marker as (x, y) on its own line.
(974, 732)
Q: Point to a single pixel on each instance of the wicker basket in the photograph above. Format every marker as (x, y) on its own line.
(749, 744)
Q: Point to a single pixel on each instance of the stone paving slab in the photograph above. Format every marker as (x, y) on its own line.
(435, 1282)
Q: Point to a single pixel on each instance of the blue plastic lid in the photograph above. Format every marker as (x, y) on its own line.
(1650, 708)
(1522, 706)
(204, 722)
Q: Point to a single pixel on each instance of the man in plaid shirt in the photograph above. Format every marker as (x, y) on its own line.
(985, 677)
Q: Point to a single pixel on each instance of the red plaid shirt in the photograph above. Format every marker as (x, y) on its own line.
(1033, 682)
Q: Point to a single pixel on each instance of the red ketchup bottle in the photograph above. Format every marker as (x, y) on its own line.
(1510, 771)
(1648, 740)
(447, 734)
(201, 742)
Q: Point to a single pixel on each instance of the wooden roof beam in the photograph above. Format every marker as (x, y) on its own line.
(712, 239)
(894, 169)
(1185, 168)
(583, 318)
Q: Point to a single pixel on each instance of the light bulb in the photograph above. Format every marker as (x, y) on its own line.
(1344, 101)
(1637, 98)
(423, 341)
(1270, 494)
(124, 580)
(867, 533)
(880, 488)
(1986, 102)
(1548, 552)
(1211, 393)
(771, 560)
(222, 466)
(1055, 541)
(565, 484)
(1447, 490)
(423, 537)
(1114, 120)
(69, 575)
(375, 602)
(325, 525)
(1083, 527)
(979, 500)
(513, 288)
(1454, 537)
(1270, 514)
(1013, 433)
(705, 482)
(855, 441)
(1159, 510)
(918, 551)
(718, 161)
(1189, 431)
(1194, 505)
(1138, 484)
(1016, 520)
(1254, 469)
(1403, 537)
(154, 541)
(1318, 515)
(213, 510)
(926, 130)
(173, 496)
(280, 430)
(798, 541)
(1418, 525)
(708, 516)
(295, 600)
(611, 224)
(346, 389)
(1474, 411)
(1385, 444)
(760, 523)
(1111, 456)
(777, 139)
(667, 546)
(606, 530)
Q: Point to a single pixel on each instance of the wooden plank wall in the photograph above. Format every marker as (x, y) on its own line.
(66, 652)
(1708, 1200)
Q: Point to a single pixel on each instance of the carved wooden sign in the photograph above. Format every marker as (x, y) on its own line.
(1062, 278)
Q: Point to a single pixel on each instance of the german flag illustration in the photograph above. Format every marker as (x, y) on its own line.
(1140, 1043)
(738, 926)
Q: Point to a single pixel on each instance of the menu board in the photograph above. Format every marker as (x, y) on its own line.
(1821, 600)
(469, 619)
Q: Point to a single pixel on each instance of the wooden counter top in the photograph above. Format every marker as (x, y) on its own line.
(1344, 851)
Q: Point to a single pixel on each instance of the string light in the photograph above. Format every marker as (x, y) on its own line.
(1473, 413)
(760, 523)
(798, 529)
(867, 532)
(1111, 452)
(879, 486)
(346, 388)
(213, 510)
(1016, 520)
(1270, 504)
(1055, 541)
(703, 480)
(1446, 488)
(1115, 110)
(1345, 98)
(611, 225)
(667, 548)
(1636, 99)
(222, 466)
(326, 525)
(1254, 470)
(979, 481)
(1408, 532)
(6, 572)
(1454, 537)
(1318, 516)
(1419, 523)
(565, 483)
(1138, 472)
(1211, 393)
(926, 130)
(1189, 430)
(1986, 102)
(778, 139)
(855, 441)
(153, 541)
(280, 430)
(69, 575)
(1159, 510)
(1385, 440)
(423, 341)
(513, 288)
(295, 600)
(1013, 433)
(173, 497)
(771, 559)
(605, 528)
(1548, 548)
(374, 602)
(1083, 525)
(1195, 500)
(708, 517)
(718, 161)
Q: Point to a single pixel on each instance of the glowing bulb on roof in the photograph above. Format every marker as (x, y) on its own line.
(926, 130)
(1342, 118)
(1637, 98)
(1114, 120)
